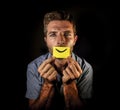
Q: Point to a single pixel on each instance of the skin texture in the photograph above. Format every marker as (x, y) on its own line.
(72, 101)
(59, 33)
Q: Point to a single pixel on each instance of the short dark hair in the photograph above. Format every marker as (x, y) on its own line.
(58, 15)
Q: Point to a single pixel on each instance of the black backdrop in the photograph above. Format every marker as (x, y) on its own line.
(25, 42)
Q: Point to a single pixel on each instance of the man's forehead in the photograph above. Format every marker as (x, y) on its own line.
(63, 31)
(60, 24)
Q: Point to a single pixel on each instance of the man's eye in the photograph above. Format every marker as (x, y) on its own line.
(67, 34)
(52, 35)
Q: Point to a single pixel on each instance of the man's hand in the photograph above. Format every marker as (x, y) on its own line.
(47, 71)
(72, 71)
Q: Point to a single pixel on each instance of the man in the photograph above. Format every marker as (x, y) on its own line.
(59, 83)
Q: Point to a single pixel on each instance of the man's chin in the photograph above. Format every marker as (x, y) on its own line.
(61, 58)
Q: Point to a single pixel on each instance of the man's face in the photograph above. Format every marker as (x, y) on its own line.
(60, 34)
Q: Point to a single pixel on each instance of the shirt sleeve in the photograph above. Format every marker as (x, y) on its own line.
(34, 82)
(85, 82)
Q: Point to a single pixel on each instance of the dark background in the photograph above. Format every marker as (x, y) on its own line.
(24, 39)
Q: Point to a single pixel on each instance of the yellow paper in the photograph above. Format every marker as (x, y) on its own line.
(61, 52)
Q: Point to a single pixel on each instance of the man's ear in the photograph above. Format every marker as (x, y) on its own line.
(76, 38)
(45, 39)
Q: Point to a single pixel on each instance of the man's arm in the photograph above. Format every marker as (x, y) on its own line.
(72, 99)
(72, 72)
(47, 92)
(44, 99)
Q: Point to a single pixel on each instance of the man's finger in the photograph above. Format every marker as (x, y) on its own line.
(49, 60)
(42, 66)
(69, 72)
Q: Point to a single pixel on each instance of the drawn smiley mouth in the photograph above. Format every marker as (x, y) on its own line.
(61, 51)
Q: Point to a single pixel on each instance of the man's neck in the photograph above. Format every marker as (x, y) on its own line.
(60, 64)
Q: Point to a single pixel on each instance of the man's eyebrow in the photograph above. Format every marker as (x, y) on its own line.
(51, 32)
(67, 31)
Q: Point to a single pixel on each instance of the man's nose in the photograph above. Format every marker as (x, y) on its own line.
(60, 40)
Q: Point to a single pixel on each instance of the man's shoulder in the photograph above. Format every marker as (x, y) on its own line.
(83, 62)
(37, 61)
